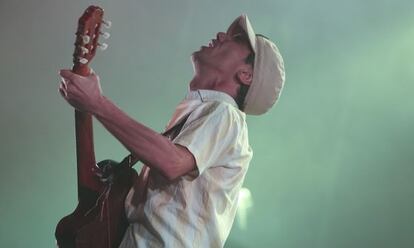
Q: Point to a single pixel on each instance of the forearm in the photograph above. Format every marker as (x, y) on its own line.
(149, 146)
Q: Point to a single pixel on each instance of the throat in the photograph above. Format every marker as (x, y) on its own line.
(214, 83)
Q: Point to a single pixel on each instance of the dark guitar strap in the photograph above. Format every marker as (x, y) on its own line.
(142, 180)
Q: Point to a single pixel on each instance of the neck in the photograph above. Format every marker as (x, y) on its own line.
(209, 80)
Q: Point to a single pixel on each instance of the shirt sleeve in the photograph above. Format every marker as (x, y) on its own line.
(211, 133)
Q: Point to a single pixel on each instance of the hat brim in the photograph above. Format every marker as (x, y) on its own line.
(242, 22)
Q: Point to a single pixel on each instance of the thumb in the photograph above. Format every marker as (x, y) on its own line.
(65, 73)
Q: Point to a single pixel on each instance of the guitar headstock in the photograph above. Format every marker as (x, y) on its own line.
(87, 36)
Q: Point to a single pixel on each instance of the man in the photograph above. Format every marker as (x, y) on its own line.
(194, 179)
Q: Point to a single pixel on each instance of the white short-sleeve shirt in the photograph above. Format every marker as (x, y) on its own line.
(198, 209)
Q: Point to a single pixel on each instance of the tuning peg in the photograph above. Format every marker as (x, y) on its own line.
(86, 39)
(103, 46)
(84, 50)
(106, 35)
(83, 60)
(107, 24)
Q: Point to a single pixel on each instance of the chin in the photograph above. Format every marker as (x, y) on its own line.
(197, 59)
(203, 51)
(194, 60)
(194, 56)
(197, 54)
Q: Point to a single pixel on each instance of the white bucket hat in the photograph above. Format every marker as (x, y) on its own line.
(269, 70)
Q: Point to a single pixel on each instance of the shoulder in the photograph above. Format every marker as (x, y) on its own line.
(218, 112)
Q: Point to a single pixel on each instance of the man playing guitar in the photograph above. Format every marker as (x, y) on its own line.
(194, 176)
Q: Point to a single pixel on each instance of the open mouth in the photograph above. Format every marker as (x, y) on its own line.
(212, 43)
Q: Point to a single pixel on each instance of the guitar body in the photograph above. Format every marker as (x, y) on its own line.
(99, 220)
(99, 226)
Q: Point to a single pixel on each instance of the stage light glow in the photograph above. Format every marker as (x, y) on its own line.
(245, 203)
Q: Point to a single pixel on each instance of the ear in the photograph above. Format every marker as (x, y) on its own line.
(245, 75)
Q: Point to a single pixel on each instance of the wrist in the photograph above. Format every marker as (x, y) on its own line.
(100, 106)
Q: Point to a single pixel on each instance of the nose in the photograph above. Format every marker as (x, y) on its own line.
(221, 36)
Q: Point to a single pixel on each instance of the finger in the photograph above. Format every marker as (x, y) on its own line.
(63, 89)
(98, 172)
(62, 92)
(100, 175)
(63, 83)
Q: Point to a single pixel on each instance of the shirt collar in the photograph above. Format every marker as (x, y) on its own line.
(210, 95)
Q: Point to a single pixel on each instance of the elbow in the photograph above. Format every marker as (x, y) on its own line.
(173, 170)
(182, 163)
(171, 176)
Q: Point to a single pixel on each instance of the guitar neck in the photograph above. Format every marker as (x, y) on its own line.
(86, 42)
(85, 154)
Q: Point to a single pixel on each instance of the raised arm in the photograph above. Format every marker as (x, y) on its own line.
(155, 150)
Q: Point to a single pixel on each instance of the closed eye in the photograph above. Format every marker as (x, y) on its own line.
(240, 38)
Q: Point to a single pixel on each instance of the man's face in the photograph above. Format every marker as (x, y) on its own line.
(224, 54)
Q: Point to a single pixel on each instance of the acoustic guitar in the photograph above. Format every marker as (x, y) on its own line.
(99, 219)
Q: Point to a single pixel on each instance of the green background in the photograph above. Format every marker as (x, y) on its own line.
(333, 163)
